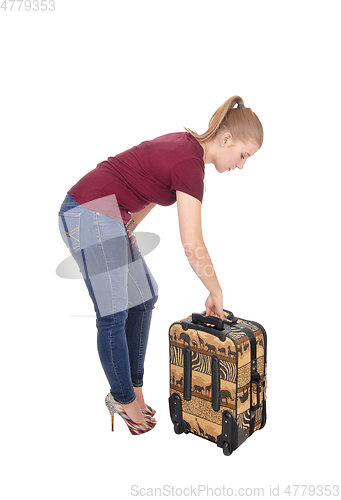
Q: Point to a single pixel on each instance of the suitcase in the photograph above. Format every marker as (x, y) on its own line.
(217, 378)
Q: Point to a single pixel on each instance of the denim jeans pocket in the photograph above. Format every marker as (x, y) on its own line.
(69, 227)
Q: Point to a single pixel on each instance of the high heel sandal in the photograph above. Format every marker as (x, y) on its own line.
(135, 429)
(149, 411)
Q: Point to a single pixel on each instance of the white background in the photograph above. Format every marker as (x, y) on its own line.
(90, 79)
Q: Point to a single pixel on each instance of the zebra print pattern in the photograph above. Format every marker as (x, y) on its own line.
(201, 362)
(235, 333)
(259, 413)
(249, 325)
(228, 371)
(243, 420)
(176, 355)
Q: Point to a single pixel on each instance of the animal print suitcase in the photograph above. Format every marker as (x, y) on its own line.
(217, 378)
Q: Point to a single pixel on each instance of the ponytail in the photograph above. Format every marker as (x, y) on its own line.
(242, 122)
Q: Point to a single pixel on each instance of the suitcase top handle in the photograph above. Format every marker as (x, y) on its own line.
(219, 324)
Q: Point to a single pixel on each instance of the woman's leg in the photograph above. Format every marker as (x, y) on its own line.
(142, 296)
(100, 247)
(108, 278)
(107, 274)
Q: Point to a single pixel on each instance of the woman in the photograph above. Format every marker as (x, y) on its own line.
(99, 215)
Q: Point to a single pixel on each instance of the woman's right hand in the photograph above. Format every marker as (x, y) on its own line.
(214, 305)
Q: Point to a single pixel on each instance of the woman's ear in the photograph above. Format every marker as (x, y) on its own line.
(225, 138)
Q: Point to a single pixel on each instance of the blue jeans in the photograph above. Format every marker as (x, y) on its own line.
(121, 287)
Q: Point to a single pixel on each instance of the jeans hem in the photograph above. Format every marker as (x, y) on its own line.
(123, 402)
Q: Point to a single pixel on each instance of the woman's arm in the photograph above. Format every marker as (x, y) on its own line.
(189, 212)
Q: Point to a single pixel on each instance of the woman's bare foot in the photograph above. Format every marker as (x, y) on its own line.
(140, 398)
(134, 412)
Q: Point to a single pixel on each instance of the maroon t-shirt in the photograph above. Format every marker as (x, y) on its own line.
(148, 173)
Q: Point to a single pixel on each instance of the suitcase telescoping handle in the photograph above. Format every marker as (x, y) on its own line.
(219, 324)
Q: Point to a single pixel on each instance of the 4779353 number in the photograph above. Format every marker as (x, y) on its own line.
(21, 5)
(310, 490)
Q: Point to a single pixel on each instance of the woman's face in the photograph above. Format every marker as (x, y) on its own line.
(230, 154)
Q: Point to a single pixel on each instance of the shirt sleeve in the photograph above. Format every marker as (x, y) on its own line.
(188, 177)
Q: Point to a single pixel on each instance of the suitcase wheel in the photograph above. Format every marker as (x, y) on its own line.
(180, 427)
(177, 428)
(226, 448)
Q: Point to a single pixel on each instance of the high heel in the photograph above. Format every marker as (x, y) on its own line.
(135, 429)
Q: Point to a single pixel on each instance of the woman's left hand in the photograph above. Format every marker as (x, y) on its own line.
(133, 239)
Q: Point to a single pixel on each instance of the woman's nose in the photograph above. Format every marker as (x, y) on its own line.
(240, 164)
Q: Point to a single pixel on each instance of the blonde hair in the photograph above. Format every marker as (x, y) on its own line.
(242, 122)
